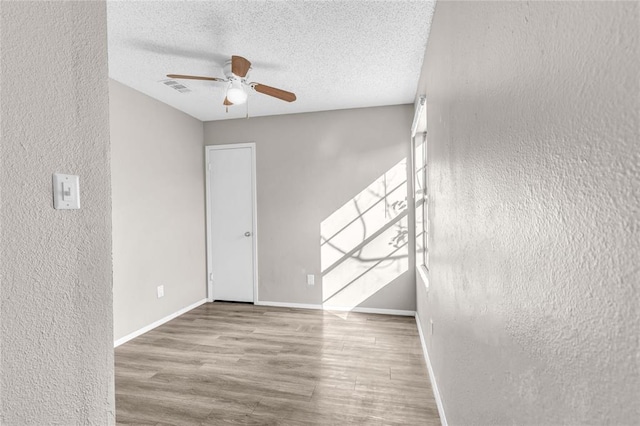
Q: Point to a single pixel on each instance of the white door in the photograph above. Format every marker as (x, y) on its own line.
(230, 219)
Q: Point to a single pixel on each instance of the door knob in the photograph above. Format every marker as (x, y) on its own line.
(247, 234)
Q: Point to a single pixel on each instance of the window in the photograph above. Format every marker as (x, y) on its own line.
(420, 186)
(421, 197)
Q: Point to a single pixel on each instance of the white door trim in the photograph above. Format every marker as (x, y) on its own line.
(207, 153)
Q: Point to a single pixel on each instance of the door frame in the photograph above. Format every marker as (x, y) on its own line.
(208, 151)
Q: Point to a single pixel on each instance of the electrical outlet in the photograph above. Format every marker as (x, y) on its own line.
(160, 291)
(311, 279)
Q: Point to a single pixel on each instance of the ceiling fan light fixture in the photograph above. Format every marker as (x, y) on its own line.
(236, 93)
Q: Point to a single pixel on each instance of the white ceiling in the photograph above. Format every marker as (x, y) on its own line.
(331, 54)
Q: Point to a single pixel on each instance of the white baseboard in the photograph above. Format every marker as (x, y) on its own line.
(153, 325)
(371, 310)
(288, 305)
(432, 377)
(338, 308)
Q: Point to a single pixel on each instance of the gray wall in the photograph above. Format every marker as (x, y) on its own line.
(158, 209)
(535, 177)
(314, 171)
(55, 265)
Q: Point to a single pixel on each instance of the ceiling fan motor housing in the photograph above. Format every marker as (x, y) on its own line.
(231, 76)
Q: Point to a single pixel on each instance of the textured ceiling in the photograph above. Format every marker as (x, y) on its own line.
(332, 54)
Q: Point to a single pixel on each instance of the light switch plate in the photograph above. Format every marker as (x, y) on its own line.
(66, 191)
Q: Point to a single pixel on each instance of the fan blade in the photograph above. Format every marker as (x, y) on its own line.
(226, 102)
(195, 77)
(272, 91)
(240, 66)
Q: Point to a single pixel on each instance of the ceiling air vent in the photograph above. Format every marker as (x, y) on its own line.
(177, 86)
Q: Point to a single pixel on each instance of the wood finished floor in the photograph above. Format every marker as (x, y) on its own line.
(225, 363)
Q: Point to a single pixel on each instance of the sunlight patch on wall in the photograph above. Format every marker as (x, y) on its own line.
(364, 242)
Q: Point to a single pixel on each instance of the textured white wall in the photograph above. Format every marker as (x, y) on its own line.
(308, 167)
(55, 265)
(533, 120)
(158, 209)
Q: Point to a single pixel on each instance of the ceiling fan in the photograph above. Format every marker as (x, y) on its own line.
(236, 71)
